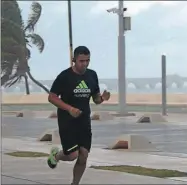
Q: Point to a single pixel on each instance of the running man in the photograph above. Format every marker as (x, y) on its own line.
(75, 86)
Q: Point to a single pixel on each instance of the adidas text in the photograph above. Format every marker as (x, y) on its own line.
(82, 91)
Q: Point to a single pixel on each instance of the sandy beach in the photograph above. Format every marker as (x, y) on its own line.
(131, 99)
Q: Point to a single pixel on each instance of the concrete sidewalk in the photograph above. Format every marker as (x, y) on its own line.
(104, 157)
(37, 170)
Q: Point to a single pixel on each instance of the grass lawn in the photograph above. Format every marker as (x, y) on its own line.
(161, 173)
(27, 154)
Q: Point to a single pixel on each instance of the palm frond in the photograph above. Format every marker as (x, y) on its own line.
(11, 11)
(34, 16)
(10, 54)
(28, 54)
(8, 28)
(8, 41)
(37, 41)
(7, 57)
(13, 81)
(11, 48)
(8, 44)
(8, 72)
(7, 67)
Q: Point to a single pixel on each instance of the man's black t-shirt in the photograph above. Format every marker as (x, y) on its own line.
(75, 90)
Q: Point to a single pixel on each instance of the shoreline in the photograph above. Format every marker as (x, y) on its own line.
(133, 99)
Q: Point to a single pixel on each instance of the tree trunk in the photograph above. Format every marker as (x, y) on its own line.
(37, 83)
(26, 84)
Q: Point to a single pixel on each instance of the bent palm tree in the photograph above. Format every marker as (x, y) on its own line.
(27, 38)
(11, 39)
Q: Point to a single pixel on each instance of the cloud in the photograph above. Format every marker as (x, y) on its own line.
(52, 12)
(176, 17)
(48, 7)
(134, 7)
(56, 8)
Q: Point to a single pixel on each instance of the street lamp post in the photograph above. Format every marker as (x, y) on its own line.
(70, 33)
(123, 25)
(121, 62)
(164, 86)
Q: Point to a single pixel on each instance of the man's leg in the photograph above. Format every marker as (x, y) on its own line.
(80, 166)
(85, 139)
(60, 156)
(70, 148)
(56, 155)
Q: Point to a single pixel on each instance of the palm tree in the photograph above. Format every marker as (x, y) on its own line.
(27, 38)
(11, 42)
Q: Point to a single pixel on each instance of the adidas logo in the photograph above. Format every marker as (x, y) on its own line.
(82, 88)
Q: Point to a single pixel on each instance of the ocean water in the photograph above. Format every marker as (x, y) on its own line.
(129, 91)
(176, 85)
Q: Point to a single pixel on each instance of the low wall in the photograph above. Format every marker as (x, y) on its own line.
(131, 98)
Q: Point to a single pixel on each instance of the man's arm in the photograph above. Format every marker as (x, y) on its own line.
(55, 91)
(96, 96)
(55, 100)
(97, 99)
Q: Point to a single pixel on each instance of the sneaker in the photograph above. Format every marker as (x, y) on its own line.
(52, 162)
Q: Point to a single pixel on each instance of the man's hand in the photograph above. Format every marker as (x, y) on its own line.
(98, 99)
(106, 95)
(75, 112)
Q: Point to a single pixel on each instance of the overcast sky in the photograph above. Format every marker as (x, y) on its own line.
(157, 27)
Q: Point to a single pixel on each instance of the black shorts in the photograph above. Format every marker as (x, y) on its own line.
(75, 133)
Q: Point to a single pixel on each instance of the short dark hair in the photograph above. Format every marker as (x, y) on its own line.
(81, 50)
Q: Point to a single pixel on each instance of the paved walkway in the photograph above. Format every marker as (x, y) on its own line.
(167, 137)
(37, 170)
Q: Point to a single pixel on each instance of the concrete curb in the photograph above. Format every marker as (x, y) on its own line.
(131, 142)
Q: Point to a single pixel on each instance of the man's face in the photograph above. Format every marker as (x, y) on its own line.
(82, 62)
